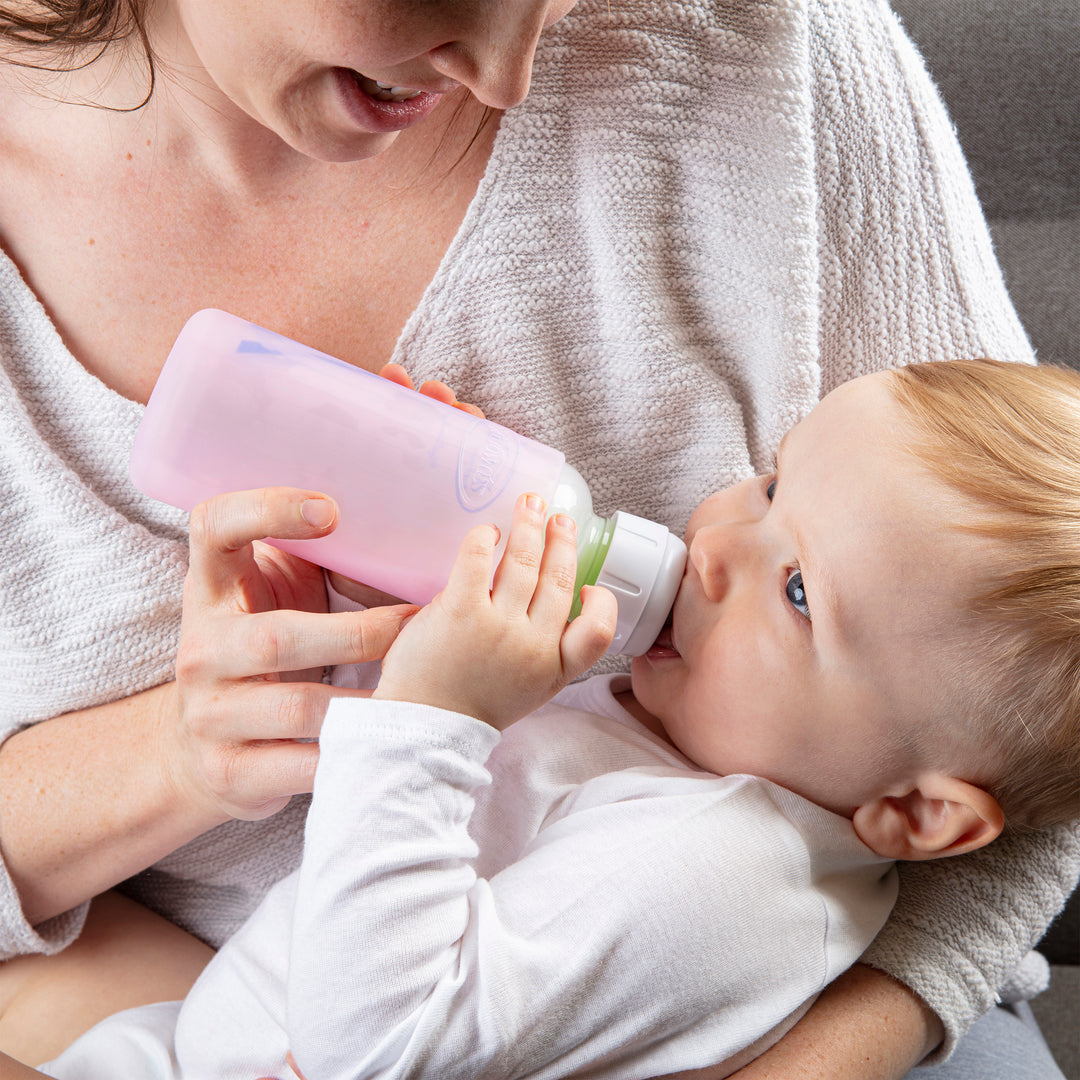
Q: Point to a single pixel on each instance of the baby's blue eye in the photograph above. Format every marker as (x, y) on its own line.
(797, 594)
(770, 491)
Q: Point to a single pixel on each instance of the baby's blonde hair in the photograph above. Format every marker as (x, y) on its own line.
(1008, 437)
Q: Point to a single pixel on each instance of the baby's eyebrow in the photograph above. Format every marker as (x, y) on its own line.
(780, 447)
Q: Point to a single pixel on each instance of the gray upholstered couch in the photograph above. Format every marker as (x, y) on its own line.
(1010, 75)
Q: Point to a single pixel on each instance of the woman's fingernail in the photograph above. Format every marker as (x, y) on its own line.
(318, 513)
(565, 521)
(534, 503)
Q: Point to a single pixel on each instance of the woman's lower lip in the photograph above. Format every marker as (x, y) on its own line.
(381, 116)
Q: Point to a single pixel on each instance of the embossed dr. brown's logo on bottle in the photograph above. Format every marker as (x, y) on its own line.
(485, 464)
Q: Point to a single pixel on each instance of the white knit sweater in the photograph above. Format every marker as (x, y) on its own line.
(706, 214)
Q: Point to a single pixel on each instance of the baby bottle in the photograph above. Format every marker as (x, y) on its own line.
(238, 406)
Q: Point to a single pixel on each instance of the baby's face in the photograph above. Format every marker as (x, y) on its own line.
(818, 619)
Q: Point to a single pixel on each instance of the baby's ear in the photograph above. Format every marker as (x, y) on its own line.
(938, 817)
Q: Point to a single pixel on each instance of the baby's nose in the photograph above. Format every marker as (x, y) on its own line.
(725, 553)
(710, 560)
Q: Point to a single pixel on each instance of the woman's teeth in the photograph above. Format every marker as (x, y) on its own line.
(385, 91)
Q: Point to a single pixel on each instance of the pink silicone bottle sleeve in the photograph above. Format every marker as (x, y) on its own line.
(239, 407)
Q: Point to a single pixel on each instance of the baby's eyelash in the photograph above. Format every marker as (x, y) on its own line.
(796, 594)
(770, 478)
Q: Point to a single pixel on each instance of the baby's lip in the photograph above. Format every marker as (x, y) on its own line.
(664, 646)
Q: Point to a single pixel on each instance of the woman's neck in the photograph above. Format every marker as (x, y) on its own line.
(122, 98)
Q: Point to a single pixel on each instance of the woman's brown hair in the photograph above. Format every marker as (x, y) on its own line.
(64, 35)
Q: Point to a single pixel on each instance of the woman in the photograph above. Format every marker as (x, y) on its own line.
(701, 217)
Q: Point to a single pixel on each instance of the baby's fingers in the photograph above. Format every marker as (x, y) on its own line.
(554, 595)
(589, 636)
(469, 584)
(518, 569)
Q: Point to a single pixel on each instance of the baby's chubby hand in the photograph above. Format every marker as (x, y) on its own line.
(498, 650)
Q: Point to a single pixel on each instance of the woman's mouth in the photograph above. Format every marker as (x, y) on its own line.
(381, 91)
(383, 107)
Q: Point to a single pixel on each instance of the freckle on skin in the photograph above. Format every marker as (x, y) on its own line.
(129, 157)
(91, 241)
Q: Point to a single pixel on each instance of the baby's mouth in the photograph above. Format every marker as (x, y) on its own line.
(381, 91)
(664, 646)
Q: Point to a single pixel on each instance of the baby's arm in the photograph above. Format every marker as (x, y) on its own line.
(604, 944)
(619, 942)
(499, 653)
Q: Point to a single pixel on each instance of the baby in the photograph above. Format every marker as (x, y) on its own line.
(872, 657)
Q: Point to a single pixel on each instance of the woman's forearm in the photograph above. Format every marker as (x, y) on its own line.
(91, 797)
(86, 801)
(865, 1026)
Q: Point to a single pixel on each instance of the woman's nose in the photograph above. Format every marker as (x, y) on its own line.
(495, 60)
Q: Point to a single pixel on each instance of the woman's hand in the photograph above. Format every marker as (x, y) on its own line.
(498, 651)
(251, 651)
(395, 373)
(253, 626)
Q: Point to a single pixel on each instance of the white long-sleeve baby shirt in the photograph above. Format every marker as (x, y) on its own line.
(571, 895)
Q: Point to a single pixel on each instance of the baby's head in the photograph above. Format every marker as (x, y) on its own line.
(890, 623)
(1006, 439)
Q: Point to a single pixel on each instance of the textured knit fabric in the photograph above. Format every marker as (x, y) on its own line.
(571, 897)
(706, 214)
